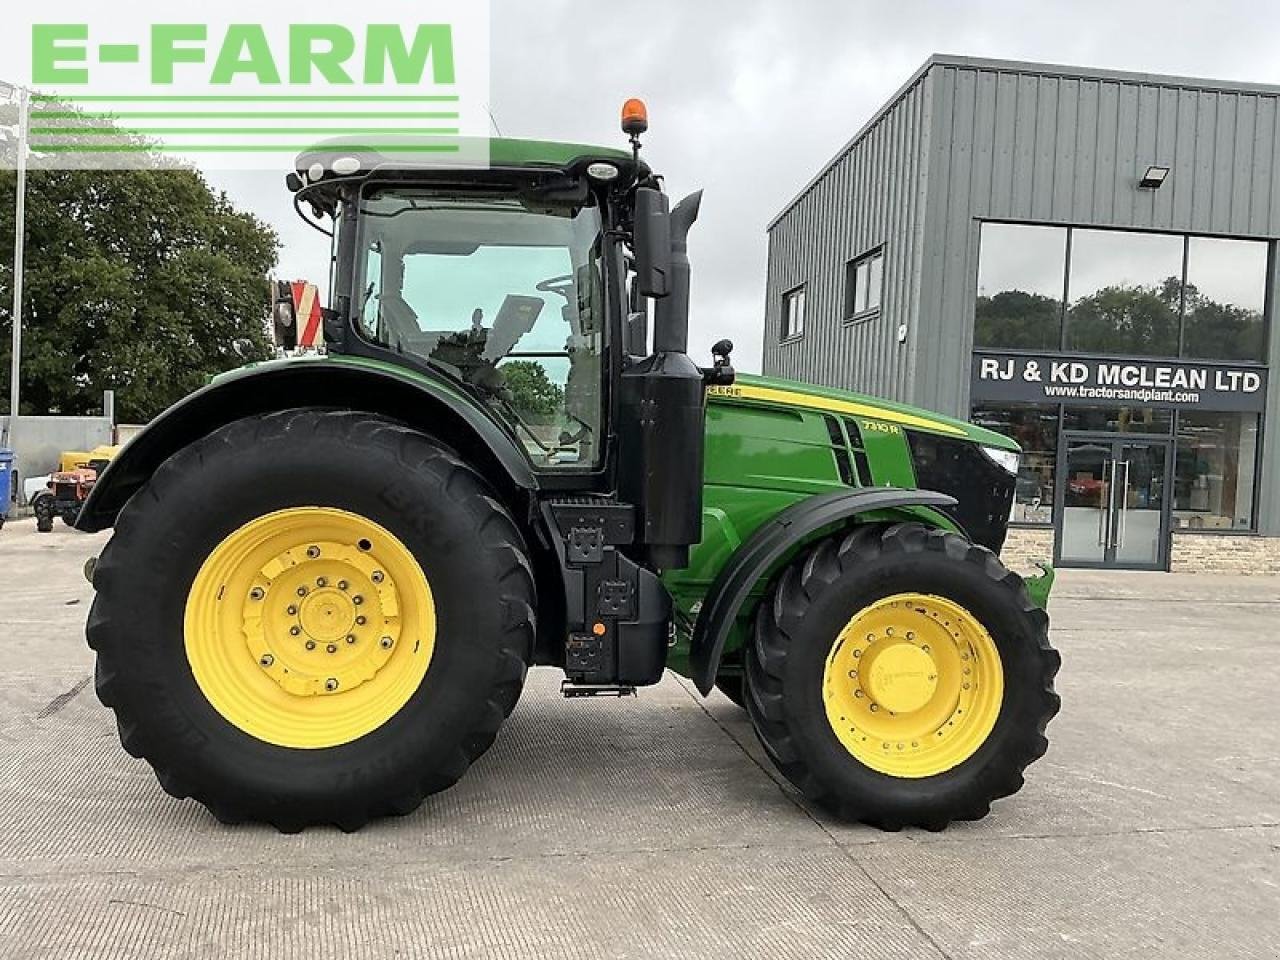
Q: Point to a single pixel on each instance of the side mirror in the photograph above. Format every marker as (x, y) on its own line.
(651, 242)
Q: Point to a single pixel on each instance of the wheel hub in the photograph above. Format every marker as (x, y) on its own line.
(322, 618)
(900, 677)
(327, 615)
(913, 685)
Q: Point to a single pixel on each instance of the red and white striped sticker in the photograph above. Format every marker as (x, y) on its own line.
(306, 307)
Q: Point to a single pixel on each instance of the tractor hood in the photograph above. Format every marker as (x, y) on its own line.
(829, 399)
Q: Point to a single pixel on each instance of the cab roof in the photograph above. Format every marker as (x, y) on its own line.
(409, 155)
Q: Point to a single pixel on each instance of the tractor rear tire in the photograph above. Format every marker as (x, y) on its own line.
(866, 654)
(410, 534)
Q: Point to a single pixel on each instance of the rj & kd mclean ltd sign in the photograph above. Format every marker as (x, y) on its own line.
(1020, 378)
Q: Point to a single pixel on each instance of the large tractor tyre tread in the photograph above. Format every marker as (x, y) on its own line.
(142, 671)
(859, 561)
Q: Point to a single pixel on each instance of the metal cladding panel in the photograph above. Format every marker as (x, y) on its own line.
(872, 196)
(1056, 145)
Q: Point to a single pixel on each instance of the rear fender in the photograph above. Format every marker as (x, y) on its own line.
(771, 541)
(431, 405)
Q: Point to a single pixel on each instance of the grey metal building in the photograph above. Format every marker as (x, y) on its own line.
(1084, 259)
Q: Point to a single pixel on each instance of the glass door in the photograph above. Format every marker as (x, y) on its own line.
(1114, 497)
(1139, 511)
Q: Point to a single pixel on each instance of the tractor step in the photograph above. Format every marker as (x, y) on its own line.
(570, 689)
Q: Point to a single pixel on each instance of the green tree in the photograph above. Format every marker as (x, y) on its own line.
(1016, 319)
(145, 282)
(532, 393)
(1223, 331)
(1127, 319)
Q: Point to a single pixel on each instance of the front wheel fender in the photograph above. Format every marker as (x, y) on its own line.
(767, 545)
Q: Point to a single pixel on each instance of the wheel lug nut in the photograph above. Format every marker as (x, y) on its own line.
(322, 581)
(291, 610)
(311, 644)
(266, 660)
(342, 584)
(331, 684)
(357, 599)
(874, 708)
(313, 552)
(351, 638)
(332, 648)
(910, 635)
(294, 631)
(302, 591)
(377, 576)
(386, 643)
(256, 593)
(361, 620)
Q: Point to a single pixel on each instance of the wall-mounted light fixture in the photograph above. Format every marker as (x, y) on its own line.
(1154, 178)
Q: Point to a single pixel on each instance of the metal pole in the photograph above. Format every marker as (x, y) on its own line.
(19, 240)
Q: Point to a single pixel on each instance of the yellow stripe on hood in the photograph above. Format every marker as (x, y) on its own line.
(831, 405)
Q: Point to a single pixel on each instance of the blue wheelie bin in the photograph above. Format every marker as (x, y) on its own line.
(8, 483)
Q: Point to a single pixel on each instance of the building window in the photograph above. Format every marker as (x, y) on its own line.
(793, 313)
(1214, 471)
(1021, 276)
(863, 285)
(1125, 293)
(1226, 289)
(1120, 292)
(1035, 428)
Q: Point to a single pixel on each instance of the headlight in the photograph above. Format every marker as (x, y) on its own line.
(1005, 458)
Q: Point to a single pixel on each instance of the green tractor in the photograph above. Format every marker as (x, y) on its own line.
(329, 574)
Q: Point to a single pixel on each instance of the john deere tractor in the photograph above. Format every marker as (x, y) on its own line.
(329, 574)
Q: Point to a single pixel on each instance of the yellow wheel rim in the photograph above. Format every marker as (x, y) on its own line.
(913, 685)
(309, 627)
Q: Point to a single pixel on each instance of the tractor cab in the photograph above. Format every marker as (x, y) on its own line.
(505, 282)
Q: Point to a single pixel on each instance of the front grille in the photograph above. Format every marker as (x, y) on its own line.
(983, 490)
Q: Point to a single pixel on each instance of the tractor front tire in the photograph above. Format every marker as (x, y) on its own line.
(901, 676)
(312, 617)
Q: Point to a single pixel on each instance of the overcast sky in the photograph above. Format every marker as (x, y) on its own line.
(748, 99)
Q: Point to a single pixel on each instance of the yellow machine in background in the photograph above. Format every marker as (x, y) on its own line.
(86, 459)
(65, 491)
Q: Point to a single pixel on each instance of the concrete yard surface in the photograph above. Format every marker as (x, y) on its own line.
(654, 827)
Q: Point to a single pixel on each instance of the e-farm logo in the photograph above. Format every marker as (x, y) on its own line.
(116, 90)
